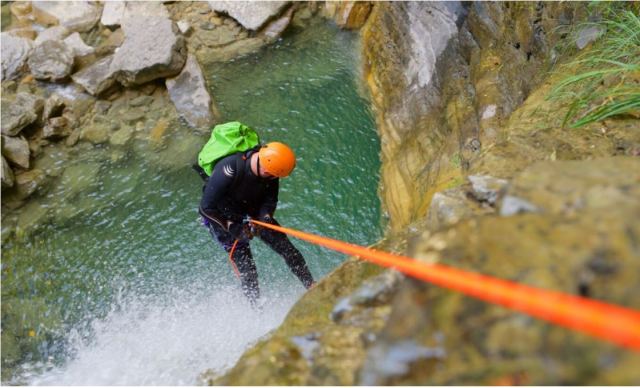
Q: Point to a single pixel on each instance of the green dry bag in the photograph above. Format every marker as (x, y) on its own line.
(226, 139)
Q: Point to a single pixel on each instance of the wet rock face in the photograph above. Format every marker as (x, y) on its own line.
(348, 14)
(313, 349)
(444, 78)
(395, 43)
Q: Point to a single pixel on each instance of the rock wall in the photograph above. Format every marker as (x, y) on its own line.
(478, 173)
(443, 79)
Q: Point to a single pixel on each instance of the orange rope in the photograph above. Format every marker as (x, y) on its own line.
(233, 263)
(612, 323)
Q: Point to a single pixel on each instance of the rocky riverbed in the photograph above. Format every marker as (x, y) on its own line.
(80, 76)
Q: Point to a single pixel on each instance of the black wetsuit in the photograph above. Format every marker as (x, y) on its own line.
(233, 192)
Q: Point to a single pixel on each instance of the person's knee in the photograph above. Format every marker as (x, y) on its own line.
(279, 242)
(240, 246)
(271, 237)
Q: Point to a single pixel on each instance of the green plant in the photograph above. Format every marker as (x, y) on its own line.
(456, 160)
(607, 82)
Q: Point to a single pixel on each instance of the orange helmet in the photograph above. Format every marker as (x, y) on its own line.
(277, 159)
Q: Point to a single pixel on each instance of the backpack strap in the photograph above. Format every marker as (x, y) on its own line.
(196, 167)
(246, 155)
(239, 168)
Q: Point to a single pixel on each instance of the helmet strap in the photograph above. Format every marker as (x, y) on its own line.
(258, 164)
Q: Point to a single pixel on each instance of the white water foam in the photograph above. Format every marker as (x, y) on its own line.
(167, 342)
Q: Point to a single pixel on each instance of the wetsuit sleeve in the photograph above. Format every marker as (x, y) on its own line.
(270, 202)
(218, 186)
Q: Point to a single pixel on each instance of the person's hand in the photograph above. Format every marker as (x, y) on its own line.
(250, 227)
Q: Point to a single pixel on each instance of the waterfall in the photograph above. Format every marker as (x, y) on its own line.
(167, 340)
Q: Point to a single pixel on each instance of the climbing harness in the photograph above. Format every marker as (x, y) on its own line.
(619, 325)
(245, 224)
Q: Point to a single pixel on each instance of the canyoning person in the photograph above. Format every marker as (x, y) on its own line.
(244, 186)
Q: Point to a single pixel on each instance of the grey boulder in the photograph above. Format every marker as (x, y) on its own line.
(96, 78)
(188, 92)
(74, 15)
(52, 33)
(16, 150)
(51, 60)
(56, 128)
(115, 12)
(251, 14)
(8, 178)
(112, 13)
(78, 46)
(17, 114)
(15, 52)
(53, 107)
(153, 48)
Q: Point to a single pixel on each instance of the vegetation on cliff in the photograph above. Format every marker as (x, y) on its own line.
(607, 80)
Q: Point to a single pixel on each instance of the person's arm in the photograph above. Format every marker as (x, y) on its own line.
(218, 186)
(270, 202)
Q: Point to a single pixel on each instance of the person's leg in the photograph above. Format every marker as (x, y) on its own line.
(280, 243)
(242, 260)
